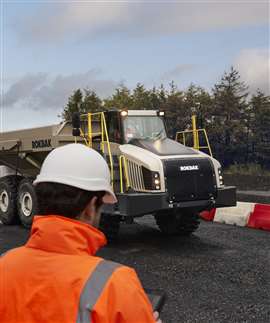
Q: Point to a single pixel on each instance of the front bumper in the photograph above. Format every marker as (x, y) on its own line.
(138, 204)
(226, 196)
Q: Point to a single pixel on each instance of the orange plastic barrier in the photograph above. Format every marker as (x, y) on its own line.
(260, 218)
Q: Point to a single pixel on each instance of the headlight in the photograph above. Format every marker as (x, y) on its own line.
(157, 181)
(151, 179)
(220, 176)
(124, 113)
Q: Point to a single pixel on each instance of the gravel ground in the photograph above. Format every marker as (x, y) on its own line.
(220, 274)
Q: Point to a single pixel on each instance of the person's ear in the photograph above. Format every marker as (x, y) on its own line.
(89, 213)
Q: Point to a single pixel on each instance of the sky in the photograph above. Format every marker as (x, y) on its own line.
(50, 48)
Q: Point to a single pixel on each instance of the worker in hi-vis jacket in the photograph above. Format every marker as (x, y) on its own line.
(55, 276)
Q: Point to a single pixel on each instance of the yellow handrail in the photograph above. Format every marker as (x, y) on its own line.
(83, 136)
(103, 133)
(122, 160)
(208, 144)
(90, 143)
(195, 133)
(196, 142)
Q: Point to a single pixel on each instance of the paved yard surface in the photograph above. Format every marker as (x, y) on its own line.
(220, 274)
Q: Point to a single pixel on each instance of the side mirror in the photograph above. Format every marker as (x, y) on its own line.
(76, 121)
(76, 124)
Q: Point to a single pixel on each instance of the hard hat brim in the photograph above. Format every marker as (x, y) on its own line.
(108, 198)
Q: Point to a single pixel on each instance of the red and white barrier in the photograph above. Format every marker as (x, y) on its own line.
(244, 214)
(208, 215)
(260, 218)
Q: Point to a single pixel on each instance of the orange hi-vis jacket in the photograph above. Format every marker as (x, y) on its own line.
(55, 278)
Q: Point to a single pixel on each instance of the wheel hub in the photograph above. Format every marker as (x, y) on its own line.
(26, 204)
(4, 201)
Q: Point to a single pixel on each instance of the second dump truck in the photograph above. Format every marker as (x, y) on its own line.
(150, 173)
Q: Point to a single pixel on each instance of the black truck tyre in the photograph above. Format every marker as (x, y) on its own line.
(110, 225)
(8, 196)
(182, 223)
(26, 202)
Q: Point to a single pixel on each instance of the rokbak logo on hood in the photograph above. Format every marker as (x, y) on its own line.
(190, 167)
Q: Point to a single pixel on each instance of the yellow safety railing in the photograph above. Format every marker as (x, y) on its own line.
(98, 117)
(196, 137)
(123, 164)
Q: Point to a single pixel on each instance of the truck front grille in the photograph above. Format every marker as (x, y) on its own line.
(135, 175)
(190, 179)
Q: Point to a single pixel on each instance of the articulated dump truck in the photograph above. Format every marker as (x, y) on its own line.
(150, 173)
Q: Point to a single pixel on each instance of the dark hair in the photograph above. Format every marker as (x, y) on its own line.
(64, 200)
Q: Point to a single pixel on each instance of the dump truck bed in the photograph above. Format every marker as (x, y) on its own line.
(25, 150)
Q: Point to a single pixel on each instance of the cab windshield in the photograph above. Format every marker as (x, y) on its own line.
(144, 127)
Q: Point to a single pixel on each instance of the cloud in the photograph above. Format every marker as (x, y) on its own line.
(54, 22)
(177, 71)
(21, 89)
(59, 21)
(41, 91)
(254, 67)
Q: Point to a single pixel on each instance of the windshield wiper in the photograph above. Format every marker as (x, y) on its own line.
(158, 136)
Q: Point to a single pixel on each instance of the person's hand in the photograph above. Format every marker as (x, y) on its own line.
(156, 317)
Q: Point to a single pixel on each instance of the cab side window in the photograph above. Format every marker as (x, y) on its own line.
(114, 128)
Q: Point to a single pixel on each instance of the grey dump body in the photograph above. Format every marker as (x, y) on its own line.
(25, 150)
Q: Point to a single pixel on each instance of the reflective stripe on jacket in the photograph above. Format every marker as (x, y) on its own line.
(56, 278)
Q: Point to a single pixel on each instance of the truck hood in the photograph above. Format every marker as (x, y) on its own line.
(163, 147)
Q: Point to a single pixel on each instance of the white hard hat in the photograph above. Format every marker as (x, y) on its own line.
(79, 166)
